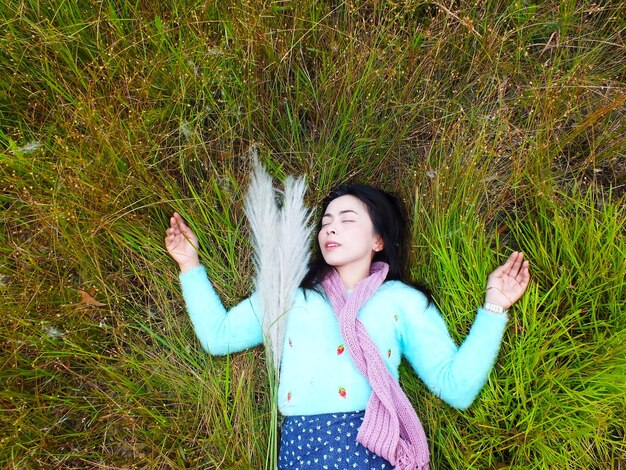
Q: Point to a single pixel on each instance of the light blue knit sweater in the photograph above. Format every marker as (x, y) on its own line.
(317, 374)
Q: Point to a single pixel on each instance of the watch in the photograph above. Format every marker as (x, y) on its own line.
(495, 308)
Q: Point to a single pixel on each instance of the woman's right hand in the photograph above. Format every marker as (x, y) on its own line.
(182, 244)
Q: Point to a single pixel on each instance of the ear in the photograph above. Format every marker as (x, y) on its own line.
(378, 244)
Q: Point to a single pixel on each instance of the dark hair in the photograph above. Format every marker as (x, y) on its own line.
(389, 218)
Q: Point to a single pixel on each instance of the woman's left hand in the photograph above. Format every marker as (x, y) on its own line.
(508, 282)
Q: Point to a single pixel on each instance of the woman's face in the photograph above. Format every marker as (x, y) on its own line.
(347, 237)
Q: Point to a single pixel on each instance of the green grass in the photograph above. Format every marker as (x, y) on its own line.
(501, 124)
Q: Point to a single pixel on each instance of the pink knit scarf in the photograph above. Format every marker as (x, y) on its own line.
(390, 427)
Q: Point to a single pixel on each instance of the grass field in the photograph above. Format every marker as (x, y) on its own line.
(501, 124)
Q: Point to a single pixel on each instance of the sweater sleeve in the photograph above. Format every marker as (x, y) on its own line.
(220, 332)
(455, 374)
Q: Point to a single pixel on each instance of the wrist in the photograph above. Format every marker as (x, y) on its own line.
(188, 266)
(494, 308)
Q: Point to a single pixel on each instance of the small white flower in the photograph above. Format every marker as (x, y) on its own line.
(185, 129)
(52, 331)
(29, 147)
(194, 67)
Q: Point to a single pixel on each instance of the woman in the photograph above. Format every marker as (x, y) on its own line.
(352, 321)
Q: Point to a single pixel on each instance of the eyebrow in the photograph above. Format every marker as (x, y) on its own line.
(340, 213)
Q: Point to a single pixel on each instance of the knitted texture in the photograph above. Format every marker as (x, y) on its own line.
(391, 427)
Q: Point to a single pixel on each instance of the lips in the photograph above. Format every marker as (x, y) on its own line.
(331, 245)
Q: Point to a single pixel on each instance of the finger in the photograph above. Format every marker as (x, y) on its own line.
(184, 229)
(178, 227)
(517, 263)
(504, 268)
(179, 219)
(525, 274)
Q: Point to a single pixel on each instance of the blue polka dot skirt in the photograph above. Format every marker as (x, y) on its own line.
(326, 441)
